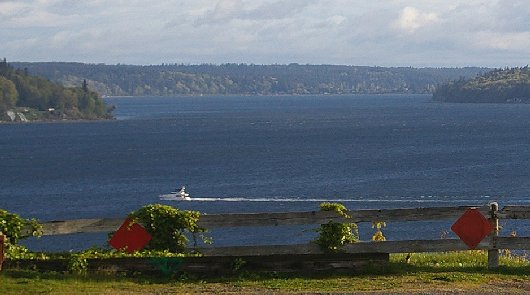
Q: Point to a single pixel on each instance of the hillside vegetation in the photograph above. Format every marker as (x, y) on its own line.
(246, 79)
(498, 86)
(24, 97)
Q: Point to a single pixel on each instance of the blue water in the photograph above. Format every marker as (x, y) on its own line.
(377, 151)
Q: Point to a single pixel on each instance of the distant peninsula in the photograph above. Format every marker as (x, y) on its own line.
(25, 98)
(246, 79)
(509, 85)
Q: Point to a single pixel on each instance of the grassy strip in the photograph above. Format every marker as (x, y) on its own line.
(465, 271)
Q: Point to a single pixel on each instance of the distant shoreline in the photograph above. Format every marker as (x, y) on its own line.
(54, 121)
(27, 115)
(268, 95)
(243, 79)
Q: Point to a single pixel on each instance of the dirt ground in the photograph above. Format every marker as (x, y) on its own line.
(492, 288)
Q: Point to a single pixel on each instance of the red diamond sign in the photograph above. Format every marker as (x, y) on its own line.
(130, 237)
(472, 227)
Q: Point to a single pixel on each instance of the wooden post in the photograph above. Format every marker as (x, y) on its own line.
(493, 251)
(2, 238)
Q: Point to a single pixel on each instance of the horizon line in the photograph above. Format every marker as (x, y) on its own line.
(263, 64)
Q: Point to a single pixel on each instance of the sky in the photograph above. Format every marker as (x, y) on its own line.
(417, 33)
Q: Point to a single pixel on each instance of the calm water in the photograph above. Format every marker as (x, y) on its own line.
(369, 151)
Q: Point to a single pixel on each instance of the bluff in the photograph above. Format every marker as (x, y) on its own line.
(510, 85)
(25, 97)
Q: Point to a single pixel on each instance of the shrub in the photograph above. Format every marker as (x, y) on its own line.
(16, 227)
(333, 235)
(169, 227)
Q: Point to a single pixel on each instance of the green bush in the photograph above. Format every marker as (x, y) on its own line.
(169, 227)
(15, 227)
(333, 235)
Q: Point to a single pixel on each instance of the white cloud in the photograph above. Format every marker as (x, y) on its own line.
(412, 19)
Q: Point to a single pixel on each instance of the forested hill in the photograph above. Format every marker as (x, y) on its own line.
(498, 86)
(25, 97)
(244, 79)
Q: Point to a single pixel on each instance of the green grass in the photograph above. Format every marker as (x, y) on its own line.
(465, 270)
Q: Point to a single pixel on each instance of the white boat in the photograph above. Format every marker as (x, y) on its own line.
(177, 195)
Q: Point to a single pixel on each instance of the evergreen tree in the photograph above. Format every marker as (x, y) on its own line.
(8, 94)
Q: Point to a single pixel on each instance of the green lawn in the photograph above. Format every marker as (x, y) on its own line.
(464, 271)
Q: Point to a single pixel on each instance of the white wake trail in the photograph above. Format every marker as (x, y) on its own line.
(172, 197)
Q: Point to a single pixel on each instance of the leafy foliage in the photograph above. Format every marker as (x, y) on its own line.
(14, 227)
(248, 79)
(238, 264)
(498, 86)
(14, 252)
(77, 262)
(333, 235)
(337, 207)
(169, 227)
(378, 235)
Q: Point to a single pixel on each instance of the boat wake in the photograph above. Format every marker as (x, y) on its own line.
(237, 199)
(173, 197)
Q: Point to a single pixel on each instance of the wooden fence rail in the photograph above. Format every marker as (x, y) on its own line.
(493, 244)
(408, 246)
(283, 218)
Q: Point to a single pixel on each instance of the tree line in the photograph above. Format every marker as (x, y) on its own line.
(509, 85)
(20, 89)
(246, 79)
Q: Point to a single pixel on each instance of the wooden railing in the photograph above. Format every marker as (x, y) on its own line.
(493, 243)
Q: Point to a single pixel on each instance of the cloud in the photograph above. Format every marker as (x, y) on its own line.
(516, 41)
(336, 19)
(228, 10)
(27, 14)
(224, 10)
(412, 19)
(387, 33)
